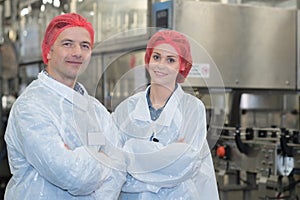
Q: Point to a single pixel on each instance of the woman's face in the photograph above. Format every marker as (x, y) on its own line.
(164, 65)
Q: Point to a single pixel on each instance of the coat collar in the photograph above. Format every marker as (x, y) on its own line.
(141, 110)
(81, 101)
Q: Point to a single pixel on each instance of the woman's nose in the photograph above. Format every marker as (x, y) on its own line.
(162, 62)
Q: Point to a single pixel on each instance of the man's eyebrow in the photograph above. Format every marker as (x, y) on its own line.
(70, 40)
(86, 42)
(67, 40)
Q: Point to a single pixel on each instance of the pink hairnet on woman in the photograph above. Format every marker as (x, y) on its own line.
(163, 129)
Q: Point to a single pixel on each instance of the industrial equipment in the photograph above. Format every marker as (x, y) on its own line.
(256, 151)
(260, 163)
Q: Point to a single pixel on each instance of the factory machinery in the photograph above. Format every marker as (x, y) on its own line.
(257, 149)
(258, 163)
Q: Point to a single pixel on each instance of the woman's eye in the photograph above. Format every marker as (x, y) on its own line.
(155, 57)
(171, 60)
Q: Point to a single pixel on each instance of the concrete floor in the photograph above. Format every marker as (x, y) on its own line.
(4, 176)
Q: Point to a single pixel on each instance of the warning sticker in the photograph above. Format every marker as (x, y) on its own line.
(199, 70)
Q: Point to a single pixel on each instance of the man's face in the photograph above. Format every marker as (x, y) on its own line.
(69, 55)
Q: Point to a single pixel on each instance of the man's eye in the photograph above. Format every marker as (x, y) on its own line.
(86, 46)
(67, 44)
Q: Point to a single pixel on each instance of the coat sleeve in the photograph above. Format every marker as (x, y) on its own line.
(187, 162)
(175, 168)
(36, 137)
(111, 188)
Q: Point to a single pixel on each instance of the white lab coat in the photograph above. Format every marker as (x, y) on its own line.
(46, 116)
(166, 170)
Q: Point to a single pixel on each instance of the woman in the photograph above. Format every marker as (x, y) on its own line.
(163, 129)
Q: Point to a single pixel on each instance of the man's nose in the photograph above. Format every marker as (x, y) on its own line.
(76, 50)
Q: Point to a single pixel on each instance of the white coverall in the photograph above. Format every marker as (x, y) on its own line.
(168, 169)
(44, 118)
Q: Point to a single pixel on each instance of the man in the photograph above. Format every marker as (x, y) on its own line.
(55, 125)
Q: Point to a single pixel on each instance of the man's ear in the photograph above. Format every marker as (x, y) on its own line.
(49, 54)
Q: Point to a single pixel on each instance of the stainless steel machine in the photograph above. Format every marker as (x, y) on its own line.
(256, 153)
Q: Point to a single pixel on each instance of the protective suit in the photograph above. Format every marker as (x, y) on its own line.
(166, 169)
(51, 147)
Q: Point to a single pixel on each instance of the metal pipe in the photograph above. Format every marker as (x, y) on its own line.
(1, 69)
(1, 94)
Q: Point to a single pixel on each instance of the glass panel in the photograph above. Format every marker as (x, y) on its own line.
(119, 16)
(270, 3)
(111, 17)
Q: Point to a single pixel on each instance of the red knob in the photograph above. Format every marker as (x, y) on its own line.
(221, 151)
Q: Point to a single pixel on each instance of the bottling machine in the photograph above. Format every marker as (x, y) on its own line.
(256, 151)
